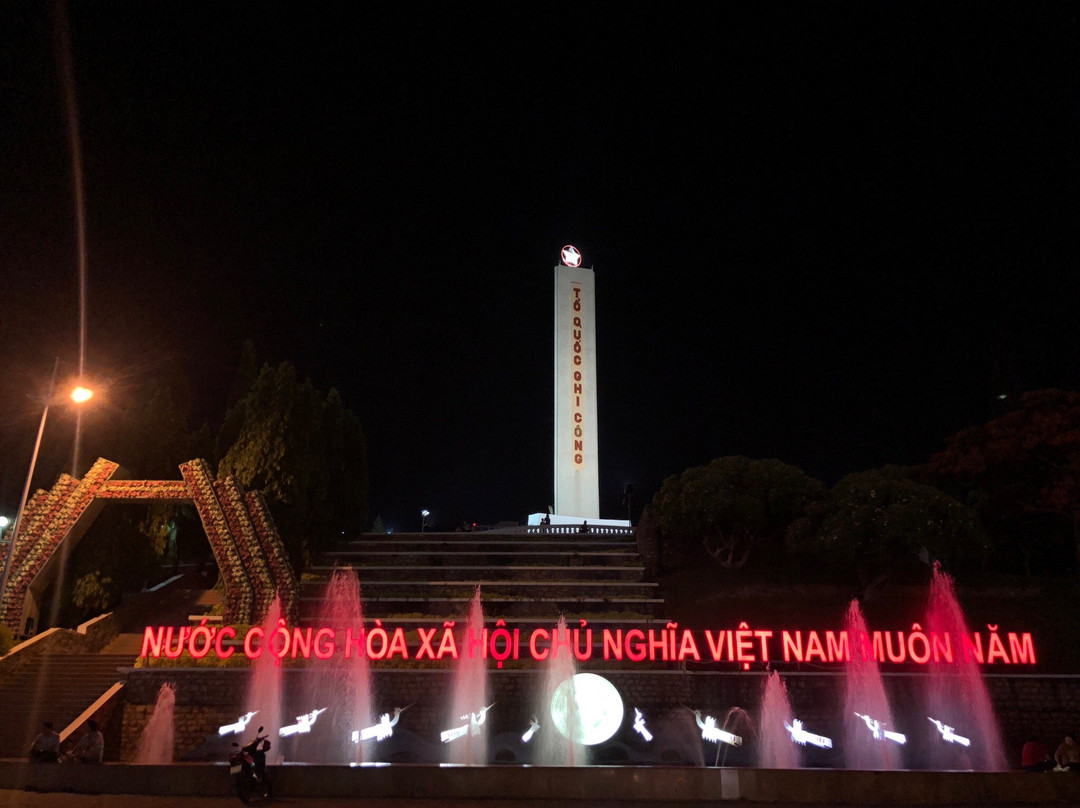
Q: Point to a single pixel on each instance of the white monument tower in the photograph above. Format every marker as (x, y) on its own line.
(577, 468)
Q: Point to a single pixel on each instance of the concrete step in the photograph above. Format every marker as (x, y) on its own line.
(53, 687)
(512, 589)
(555, 558)
(494, 607)
(485, 545)
(516, 572)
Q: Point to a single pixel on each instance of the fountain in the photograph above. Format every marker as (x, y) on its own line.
(264, 687)
(956, 697)
(775, 749)
(156, 742)
(867, 717)
(559, 706)
(469, 702)
(343, 683)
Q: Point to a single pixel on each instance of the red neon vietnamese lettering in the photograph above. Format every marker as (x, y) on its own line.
(324, 643)
(973, 647)
(838, 646)
(181, 638)
(561, 640)
(635, 645)
(744, 645)
(477, 643)
(688, 648)
(996, 649)
(612, 644)
(942, 648)
(917, 639)
(539, 654)
(716, 645)
(583, 654)
(814, 648)
(250, 651)
(655, 643)
(223, 632)
(897, 656)
(426, 636)
(397, 644)
(447, 645)
(301, 642)
(1023, 649)
(152, 641)
(201, 640)
(792, 645)
(764, 636)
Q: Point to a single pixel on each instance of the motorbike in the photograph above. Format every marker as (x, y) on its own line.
(247, 765)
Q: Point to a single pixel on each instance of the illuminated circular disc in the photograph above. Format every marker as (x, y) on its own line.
(587, 709)
(570, 256)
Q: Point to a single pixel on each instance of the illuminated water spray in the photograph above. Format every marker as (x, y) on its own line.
(866, 707)
(469, 702)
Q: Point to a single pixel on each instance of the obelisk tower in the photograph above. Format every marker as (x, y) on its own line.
(577, 478)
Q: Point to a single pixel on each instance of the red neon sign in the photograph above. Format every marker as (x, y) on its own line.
(742, 646)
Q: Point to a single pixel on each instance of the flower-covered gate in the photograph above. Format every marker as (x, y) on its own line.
(242, 534)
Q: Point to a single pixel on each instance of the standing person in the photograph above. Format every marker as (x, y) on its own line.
(91, 746)
(1067, 755)
(46, 748)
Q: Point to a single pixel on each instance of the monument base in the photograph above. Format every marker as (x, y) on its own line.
(556, 519)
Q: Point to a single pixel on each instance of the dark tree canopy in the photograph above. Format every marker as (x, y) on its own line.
(875, 520)
(305, 452)
(731, 506)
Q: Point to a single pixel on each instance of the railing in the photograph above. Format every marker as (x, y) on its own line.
(577, 530)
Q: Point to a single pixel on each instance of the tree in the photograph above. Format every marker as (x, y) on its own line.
(876, 520)
(306, 453)
(1022, 474)
(731, 506)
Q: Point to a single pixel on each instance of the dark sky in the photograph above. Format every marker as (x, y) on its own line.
(831, 234)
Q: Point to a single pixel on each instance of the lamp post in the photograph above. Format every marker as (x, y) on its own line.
(424, 514)
(78, 395)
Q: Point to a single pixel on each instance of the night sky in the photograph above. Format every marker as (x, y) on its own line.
(831, 234)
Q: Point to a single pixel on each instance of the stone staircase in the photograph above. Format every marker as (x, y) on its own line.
(53, 687)
(531, 578)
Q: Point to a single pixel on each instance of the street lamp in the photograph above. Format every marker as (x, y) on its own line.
(79, 395)
(424, 514)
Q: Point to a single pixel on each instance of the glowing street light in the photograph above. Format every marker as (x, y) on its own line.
(4, 522)
(79, 395)
(424, 514)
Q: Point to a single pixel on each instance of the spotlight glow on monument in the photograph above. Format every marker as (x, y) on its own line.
(599, 709)
(802, 737)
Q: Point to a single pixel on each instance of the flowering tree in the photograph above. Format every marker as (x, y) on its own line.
(1022, 473)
